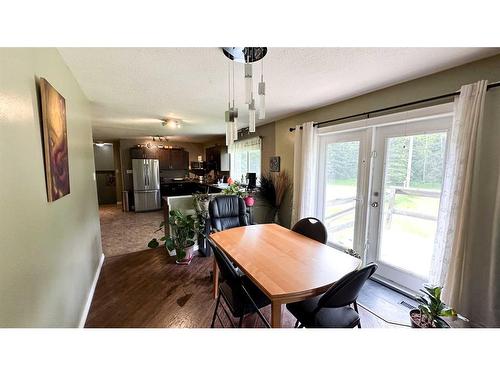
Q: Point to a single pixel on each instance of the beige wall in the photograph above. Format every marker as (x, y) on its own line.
(432, 85)
(49, 252)
(104, 158)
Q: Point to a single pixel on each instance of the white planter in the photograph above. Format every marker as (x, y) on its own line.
(189, 255)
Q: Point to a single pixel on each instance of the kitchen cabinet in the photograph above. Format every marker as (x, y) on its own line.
(218, 157)
(143, 153)
(179, 159)
(173, 159)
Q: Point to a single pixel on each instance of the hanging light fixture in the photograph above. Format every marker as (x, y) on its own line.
(251, 116)
(248, 83)
(247, 56)
(262, 95)
(235, 113)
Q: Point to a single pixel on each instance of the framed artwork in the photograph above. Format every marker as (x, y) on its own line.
(274, 164)
(55, 141)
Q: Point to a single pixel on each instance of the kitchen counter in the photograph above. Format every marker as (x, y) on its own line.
(187, 187)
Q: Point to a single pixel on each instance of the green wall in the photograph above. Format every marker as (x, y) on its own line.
(49, 252)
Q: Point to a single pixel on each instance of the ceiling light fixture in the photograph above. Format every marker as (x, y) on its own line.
(246, 55)
(172, 123)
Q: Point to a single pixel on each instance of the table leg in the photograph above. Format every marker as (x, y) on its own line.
(276, 308)
(216, 278)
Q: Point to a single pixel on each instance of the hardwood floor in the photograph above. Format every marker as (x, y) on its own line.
(147, 289)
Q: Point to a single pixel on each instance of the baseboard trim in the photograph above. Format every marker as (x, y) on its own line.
(86, 309)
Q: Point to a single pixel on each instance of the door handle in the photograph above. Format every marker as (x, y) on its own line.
(375, 204)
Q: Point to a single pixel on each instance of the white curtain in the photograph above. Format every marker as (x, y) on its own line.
(452, 245)
(304, 171)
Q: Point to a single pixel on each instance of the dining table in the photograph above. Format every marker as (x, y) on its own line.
(285, 265)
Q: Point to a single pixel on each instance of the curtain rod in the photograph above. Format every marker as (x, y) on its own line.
(367, 114)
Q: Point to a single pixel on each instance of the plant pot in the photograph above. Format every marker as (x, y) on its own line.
(415, 319)
(249, 201)
(189, 256)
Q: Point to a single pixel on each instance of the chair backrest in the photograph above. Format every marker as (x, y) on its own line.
(227, 211)
(225, 266)
(346, 290)
(312, 228)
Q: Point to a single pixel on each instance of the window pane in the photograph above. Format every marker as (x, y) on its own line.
(243, 162)
(412, 191)
(341, 191)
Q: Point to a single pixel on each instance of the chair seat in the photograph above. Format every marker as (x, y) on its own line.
(236, 301)
(341, 317)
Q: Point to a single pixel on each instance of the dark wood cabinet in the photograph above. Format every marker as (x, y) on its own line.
(179, 159)
(213, 155)
(173, 159)
(143, 153)
(164, 158)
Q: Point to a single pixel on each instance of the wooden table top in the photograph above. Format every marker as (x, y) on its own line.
(287, 266)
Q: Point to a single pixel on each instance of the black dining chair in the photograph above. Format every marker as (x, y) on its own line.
(312, 228)
(240, 294)
(333, 308)
(227, 211)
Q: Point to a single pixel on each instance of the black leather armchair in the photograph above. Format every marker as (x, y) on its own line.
(227, 211)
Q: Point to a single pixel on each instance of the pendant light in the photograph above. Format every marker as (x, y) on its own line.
(251, 116)
(262, 95)
(235, 114)
(228, 115)
(248, 83)
(247, 56)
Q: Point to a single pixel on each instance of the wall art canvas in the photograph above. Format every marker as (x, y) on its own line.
(274, 164)
(55, 141)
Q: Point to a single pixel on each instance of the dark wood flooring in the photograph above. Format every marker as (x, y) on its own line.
(147, 289)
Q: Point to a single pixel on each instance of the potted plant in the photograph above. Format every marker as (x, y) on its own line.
(249, 200)
(184, 229)
(431, 310)
(201, 201)
(235, 189)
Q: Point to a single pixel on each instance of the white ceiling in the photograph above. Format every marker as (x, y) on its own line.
(132, 89)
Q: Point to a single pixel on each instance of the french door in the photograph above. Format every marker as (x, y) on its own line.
(379, 191)
(407, 176)
(342, 191)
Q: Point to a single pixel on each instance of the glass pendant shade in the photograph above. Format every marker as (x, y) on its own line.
(248, 83)
(229, 127)
(262, 100)
(251, 116)
(235, 123)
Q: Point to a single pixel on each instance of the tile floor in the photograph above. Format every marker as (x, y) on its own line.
(127, 232)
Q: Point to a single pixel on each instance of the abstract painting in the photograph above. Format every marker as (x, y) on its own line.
(55, 141)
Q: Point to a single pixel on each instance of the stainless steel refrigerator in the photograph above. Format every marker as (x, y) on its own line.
(146, 174)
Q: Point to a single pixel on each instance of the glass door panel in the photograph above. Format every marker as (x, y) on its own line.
(406, 191)
(341, 192)
(342, 186)
(411, 193)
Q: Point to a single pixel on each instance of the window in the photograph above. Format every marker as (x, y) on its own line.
(245, 158)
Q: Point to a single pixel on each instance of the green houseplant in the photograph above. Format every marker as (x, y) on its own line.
(431, 309)
(235, 189)
(184, 229)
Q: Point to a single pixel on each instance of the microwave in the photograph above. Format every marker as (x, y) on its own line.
(197, 165)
